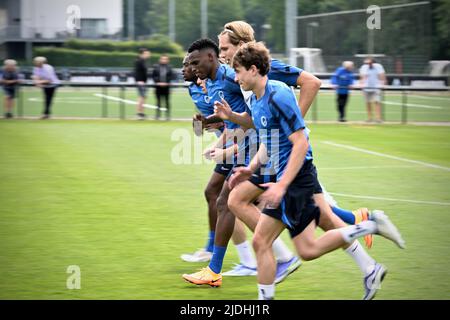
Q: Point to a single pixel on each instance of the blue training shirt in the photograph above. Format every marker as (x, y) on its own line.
(342, 78)
(225, 87)
(283, 72)
(276, 116)
(201, 100)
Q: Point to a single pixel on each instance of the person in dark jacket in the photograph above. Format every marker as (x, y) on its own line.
(141, 77)
(343, 80)
(162, 75)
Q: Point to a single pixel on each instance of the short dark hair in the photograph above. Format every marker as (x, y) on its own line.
(142, 50)
(202, 44)
(253, 54)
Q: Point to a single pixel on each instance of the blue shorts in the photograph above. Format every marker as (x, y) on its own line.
(142, 91)
(10, 92)
(297, 208)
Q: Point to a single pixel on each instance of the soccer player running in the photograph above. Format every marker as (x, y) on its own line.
(231, 38)
(204, 105)
(204, 59)
(289, 201)
(242, 198)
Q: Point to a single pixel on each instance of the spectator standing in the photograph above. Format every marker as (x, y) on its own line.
(141, 77)
(162, 75)
(9, 80)
(343, 80)
(372, 77)
(44, 77)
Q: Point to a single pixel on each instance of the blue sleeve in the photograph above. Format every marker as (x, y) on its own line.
(247, 109)
(334, 77)
(286, 110)
(231, 85)
(284, 73)
(352, 78)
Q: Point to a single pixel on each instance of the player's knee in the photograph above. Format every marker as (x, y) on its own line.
(308, 254)
(260, 244)
(210, 194)
(234, 203)
(222, 204)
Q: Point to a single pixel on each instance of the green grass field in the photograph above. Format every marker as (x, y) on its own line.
(83, 102)
(105, 195)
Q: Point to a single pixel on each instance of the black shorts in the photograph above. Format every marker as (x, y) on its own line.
(258, 179)
(317, 186)
(9, 92)
(297, 208)
(232, 170)
(224, 169)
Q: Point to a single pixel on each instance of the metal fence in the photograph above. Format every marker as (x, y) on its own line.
(404, 98)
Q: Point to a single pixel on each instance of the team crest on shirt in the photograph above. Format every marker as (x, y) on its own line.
(264, 121)
(207, 99)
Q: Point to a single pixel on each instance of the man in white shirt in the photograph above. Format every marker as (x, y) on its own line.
(372, 77)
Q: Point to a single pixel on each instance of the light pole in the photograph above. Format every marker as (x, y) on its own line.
(265, 29)
(309, 35)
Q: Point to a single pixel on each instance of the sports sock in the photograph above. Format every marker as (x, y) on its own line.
(364, 261)
(245, 254)
(350, 233)
(281, 251)
(210, 244)
(217, 259)
(266, 291)
(345, 215)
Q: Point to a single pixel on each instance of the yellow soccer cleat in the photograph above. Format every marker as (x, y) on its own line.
(204, 276)
(362, 214)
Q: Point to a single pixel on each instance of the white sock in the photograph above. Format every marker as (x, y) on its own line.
(246, 255)
(266, 291)
(361, 257)
(353, 232)
(281, 251)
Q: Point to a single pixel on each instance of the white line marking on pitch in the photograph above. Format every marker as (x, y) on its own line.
(149, 106)
(390, 199)
(430, 97)
(68, 100)
(363, 167)
(411, 105)
(379, 154)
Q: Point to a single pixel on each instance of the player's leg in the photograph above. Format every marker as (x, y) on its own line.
(224, 228)
(212, 192)
(241, 203)
(267, 230)
(329, 221)
(310, 248)
(350, 217)
(247, 262)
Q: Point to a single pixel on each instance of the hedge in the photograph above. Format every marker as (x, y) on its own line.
(90, 58)
(155, 45)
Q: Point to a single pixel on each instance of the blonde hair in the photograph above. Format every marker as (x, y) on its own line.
(40, 60)
(10, 62)
(238, 31)
(347, 64)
